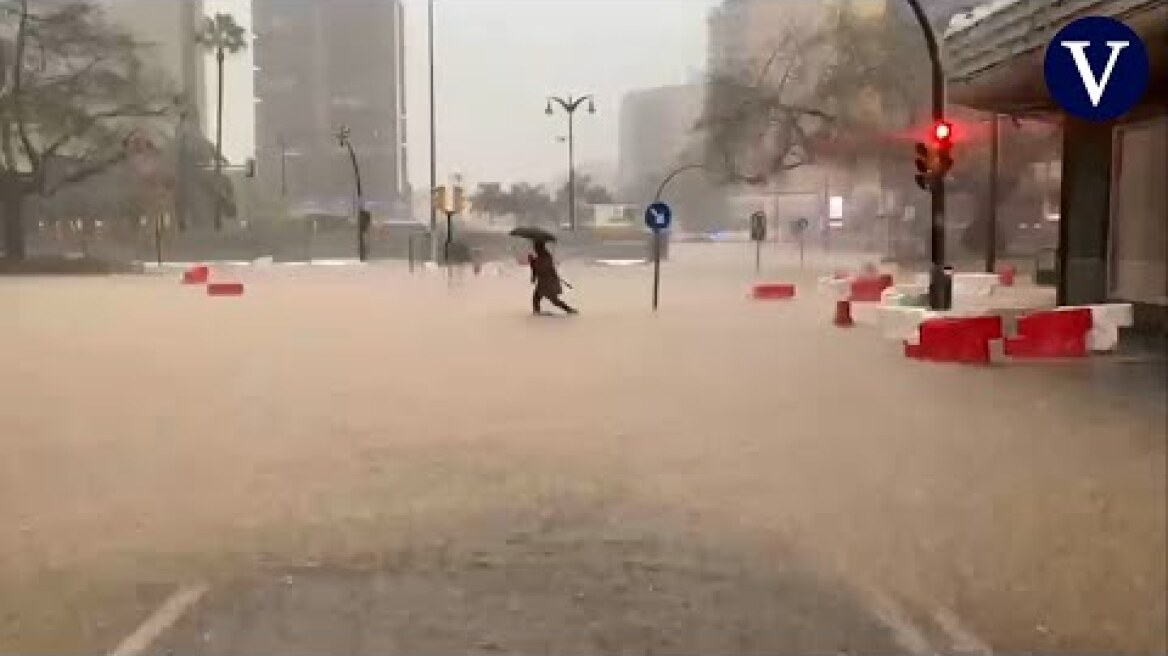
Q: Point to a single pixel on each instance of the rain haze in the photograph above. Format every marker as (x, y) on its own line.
(491, 90)
(718, 330)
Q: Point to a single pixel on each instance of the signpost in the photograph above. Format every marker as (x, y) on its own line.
(758, 234)
(799, 227)
(658, 216)
(143, 156)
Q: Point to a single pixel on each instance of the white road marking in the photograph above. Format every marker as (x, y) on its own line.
(163, 618)
(906, 634)
(964, 641)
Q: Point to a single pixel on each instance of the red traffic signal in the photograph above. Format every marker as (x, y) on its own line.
(943, 132)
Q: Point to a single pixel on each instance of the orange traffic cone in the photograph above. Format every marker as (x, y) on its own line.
(843, 314)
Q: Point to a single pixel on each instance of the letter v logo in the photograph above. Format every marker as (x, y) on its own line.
(1095, 87)
(1096, 68)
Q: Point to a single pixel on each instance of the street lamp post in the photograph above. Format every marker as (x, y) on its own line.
(344, 135)
(570, 105)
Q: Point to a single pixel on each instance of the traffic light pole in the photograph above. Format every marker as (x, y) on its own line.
(940, 284)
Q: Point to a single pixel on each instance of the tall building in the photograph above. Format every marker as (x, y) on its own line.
(320, 65)
(168, 29)
(742, 33)
(656, 128)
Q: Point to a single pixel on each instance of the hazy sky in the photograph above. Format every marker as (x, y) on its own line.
(496, 62)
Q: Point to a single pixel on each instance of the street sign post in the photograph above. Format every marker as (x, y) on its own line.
(799, 227)
(658, 217)
(758, 234)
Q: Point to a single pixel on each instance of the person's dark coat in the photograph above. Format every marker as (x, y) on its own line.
(543, 271)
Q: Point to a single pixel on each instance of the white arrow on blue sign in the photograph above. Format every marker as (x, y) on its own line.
(658, 216)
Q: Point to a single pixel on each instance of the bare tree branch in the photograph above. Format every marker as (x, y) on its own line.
(87, 171)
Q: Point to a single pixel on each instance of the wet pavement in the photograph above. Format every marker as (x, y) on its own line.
(597, 591)
(404, 444)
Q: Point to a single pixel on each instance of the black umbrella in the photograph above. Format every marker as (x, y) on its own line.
(534, 234)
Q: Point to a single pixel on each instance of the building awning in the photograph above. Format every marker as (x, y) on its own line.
(994, 54)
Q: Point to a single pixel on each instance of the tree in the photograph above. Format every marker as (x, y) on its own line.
(222, 36)
(71, 85)
(877, 76)
(531, 204)
(877, 85)
(587, 193)
(125, 192)
(489, 199)
(755, 122)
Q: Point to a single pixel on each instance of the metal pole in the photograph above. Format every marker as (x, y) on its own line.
(992, 215)
(571, 166)
(180, 186)
(433, 141)
(219, 56)
(158, 237)
(938, 278)
(283, 168)
(361, 247)
(656, 267)
(671, 176)
(449, 237)
(758, 255)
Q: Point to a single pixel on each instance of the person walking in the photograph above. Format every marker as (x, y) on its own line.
(546, 280)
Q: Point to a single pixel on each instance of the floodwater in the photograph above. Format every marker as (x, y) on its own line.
(152, 436)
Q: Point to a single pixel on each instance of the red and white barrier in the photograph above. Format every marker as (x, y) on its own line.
(772, 291)
(225, 289)
(197, 275)
(857, 289)
(956, 339)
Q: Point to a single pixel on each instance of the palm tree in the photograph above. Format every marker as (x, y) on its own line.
(223, 36)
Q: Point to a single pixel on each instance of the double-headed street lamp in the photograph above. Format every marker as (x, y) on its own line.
(363, 218)
(570, 105)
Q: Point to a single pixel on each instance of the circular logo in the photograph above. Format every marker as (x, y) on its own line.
(1096, 68)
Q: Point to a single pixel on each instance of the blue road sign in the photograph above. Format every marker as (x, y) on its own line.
(658, 216)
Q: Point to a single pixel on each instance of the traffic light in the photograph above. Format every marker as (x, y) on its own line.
(935, 159)
(924, 176)
(249, 168)
(943, 132)
(439, 200)
(943, 144)
(459, 205)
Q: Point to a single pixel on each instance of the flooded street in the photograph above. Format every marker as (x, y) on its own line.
(396, 431)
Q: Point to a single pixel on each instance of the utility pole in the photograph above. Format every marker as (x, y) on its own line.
(433, 141)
